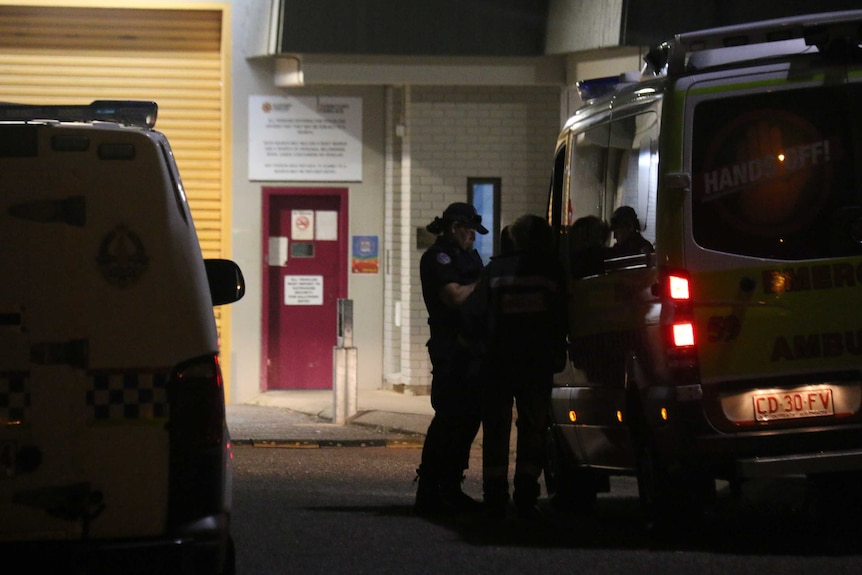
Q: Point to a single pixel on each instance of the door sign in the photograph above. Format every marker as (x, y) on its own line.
(327, 225)
(303, 290)
(302, 225)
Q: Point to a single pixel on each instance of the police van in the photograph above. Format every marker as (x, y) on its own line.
(731, 348)
(114, 452)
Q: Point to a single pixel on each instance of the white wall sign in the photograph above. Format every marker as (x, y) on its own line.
(303, 290)
(305, 138)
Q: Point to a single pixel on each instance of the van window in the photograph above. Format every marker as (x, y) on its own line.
(613, 164)
(633, 168)
(776, 175)
(176, 182)
(588, 178)
(616, 164)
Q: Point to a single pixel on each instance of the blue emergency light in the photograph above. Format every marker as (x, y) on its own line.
(140, 114)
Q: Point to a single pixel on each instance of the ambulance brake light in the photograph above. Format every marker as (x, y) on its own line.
(683, 334)
(681, 321)
(678, 286)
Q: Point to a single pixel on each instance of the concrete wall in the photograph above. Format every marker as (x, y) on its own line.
(249, 77)
(575, 25)
(255, 77)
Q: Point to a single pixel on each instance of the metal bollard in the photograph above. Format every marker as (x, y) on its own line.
(344, 368)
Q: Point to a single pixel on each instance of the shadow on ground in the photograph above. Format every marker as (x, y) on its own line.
(790, 517)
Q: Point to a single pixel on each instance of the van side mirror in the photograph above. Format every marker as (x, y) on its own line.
(227, 284)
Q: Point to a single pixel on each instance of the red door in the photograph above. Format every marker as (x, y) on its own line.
(305, 274)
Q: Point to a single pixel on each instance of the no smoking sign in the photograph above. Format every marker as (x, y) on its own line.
(302, 224)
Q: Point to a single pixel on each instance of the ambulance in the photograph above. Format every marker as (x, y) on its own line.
(114, 451)
(731, 347)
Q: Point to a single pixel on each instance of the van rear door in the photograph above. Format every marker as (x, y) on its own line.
(83, 444)
(775, 250)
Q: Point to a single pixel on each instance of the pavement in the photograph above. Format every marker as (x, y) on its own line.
(304, 419)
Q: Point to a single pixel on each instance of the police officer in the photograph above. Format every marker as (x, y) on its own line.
(517, 315)
(449, 270)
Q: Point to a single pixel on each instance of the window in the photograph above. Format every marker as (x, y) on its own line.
(613, 164)
(484, 194)
(588, 178)
(633, 168)
(775, 175)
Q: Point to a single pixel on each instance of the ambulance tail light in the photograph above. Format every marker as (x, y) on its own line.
(678, 287)
(678, 319)
(683, 334)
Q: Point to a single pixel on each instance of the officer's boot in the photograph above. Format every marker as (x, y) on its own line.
(496, 496)
(453, 498)
(526, 495)
(428, 500)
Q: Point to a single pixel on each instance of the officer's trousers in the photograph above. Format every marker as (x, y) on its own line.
(455, 398)
(530, 392)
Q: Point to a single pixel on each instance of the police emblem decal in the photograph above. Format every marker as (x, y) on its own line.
(443, 259)
(122, 258)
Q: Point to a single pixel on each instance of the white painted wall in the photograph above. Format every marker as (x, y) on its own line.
(255, 76)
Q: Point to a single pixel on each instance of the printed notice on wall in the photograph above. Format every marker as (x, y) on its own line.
(305, 139)
(303, 290)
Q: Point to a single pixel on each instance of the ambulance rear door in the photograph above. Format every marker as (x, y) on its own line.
(774, 249)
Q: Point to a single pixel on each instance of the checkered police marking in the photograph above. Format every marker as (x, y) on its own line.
(127, 396)
(14, 398)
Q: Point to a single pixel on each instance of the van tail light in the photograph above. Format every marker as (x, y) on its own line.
(679, 294)
(678, 287)
(196, 400)
(199, 446)
(677, 310)
(683, 334)
(678, 320)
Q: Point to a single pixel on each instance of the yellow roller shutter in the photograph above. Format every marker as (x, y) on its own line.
(177, 56)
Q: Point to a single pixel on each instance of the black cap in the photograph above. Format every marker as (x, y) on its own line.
(463, 213)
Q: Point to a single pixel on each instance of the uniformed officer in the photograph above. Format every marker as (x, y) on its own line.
(449, 270)
(517, 315)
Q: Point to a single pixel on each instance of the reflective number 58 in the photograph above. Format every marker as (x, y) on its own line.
(723, 328)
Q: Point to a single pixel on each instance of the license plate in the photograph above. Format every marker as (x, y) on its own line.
(793, 404)
(7, 458)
